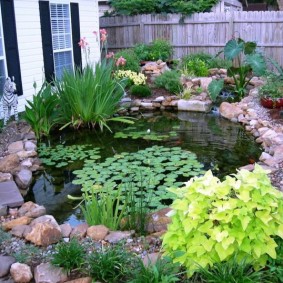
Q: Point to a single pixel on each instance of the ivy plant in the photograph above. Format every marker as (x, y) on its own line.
(213, 221)
(152, 170)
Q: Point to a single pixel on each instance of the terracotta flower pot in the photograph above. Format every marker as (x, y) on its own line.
(271, 103)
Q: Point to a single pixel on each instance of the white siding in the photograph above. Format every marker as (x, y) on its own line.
(30, 44)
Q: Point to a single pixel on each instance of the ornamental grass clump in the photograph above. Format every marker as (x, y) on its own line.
(213, 221)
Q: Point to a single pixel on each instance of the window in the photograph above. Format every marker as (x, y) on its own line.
(3, 70)
(61, 38)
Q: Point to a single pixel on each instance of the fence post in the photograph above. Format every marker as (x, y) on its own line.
(231, 31)
(142, 35)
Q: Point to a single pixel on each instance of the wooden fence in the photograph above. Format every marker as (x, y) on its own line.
(207, 32)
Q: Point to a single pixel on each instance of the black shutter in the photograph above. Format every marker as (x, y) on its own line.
(46, 37)
(11, 43)
(75, 18)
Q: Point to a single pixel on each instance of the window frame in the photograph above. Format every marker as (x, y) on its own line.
(2, 41)
(70, 49)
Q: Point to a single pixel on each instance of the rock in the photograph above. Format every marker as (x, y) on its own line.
(79, 231)
(134, 109)
(46, 273)
(3, 210)
(264, 156)
(147, 105)
(4, 177)
(15, 147)
(24, 220)
(97, 232)
(204, 82)
(256, 82)
(81, 280)
(151, 259)
(32, 210)
(159, 99)
(66, 230)
(230, 111)
(20, 230)
(9, 163)
(5, 264)
(158, 221)
(30, 146)
(45, 231)
(194, 105)
(26, 154)
(213, 71)
(44, 234)
(23, 178)
(21, 273)
(117, 236)
(27, 163)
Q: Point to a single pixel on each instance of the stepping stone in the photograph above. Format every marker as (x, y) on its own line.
(10, 195)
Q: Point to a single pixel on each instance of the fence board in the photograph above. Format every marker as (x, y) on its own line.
(207, 32)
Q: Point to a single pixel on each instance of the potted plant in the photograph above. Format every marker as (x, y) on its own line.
(271, 93)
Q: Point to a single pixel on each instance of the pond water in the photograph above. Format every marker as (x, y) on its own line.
(218, 144)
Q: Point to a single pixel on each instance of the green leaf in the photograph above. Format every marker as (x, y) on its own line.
(257, 63)
(233, 48)
(214, 88)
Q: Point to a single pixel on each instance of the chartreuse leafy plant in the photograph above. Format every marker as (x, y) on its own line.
(213, 221)
(61, 155)
(161, 167)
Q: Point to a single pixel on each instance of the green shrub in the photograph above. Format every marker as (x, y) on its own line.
(232, 271)
(160, 49)
(140, 90)
(135, 7)
(26, 254)
(69, 255)
(89, 97)
(220, 63)
(41, 111)
(162, 271)
(132, 60)
(170, 80)
(111, 264)
(142, 51)
(213, 221)
(103, 206)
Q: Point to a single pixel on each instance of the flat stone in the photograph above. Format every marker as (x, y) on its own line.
(24, 220)
(10, 194)
(47, 273)
(194, 105)
(15, 147)
(3, 210)
(23, 154)
(117, 236)
(4, 177)
(5, 264)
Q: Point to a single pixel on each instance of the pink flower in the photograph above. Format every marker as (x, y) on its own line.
(121, 61)
(83, 43)
(103, 31)
(110, 55)
(103, 37)
(95, 33)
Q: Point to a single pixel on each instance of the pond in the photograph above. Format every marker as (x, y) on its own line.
(214, 143)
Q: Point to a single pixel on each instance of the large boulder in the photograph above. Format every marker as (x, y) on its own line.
(46, 273)
(44, 231)
(230, 111)
(194, 105)
(32, 210)
(21, 273)
(9, 163)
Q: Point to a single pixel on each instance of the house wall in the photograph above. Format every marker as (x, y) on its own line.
(30, 44)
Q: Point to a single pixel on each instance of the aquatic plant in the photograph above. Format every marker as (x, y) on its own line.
(162, 167)
(132, 132)
(61, 155)
(213, 221)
